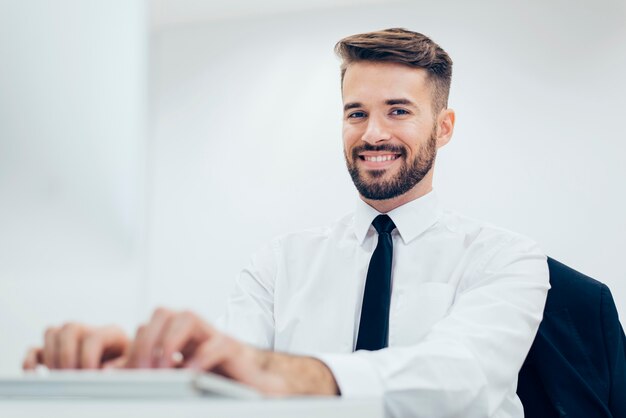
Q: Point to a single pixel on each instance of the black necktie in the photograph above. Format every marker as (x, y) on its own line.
(374, 325)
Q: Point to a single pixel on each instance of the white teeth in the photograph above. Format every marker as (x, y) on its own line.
(380, 158)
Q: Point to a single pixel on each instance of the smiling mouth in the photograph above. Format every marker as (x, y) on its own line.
(379, 158)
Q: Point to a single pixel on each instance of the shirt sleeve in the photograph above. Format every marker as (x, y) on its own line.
(249, 313)
(468, 362)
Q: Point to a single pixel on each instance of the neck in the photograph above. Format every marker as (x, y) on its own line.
(420, 189)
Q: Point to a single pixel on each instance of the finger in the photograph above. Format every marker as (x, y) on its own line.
(50, 348)
(68, 345)
(183, 333)
(118, 363)
(116, 343)
(142, 350)
(33, 358)
(101, 344)
(210, 354)
(131, 363)
(237, 361)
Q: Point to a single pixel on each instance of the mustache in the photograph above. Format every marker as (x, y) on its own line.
(395, 149)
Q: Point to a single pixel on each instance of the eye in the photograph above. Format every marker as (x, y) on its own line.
(399, 112)
(356, 115)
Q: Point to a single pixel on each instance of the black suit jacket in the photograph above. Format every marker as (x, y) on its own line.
(576, 366)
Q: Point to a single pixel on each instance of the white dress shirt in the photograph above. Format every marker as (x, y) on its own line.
(467, 299)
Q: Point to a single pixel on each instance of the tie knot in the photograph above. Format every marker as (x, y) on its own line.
(383, 224)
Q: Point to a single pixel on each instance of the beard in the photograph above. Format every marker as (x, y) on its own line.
(370, 183)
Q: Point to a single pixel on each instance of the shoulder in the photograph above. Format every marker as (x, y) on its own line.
(316, 236)
(295, 252)
(491, 254)
(484, 236)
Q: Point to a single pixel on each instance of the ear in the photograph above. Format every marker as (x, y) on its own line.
(445, 127)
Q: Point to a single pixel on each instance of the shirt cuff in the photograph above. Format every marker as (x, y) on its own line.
(354, 374)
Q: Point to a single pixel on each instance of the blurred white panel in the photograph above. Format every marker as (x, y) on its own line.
(72, 115)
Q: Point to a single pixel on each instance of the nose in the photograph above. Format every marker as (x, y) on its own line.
(376, 131)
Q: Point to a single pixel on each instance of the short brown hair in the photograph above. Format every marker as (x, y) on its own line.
(404, 47)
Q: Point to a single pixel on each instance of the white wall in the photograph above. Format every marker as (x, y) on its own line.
(246, 137)
(72, 152)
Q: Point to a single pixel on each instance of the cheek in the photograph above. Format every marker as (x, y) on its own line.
(350, 136)
(414, 139)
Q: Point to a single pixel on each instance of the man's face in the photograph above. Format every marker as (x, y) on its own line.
(388, 128)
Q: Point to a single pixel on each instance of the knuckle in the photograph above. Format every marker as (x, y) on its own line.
(91, 333)
(140, 337)
(216, 342)
(187, 315)
(141, 329)
(161, 312)
(117, 332)
(91, 340)
(31, 356)
(112, 328)
(69, 328)
(50, 332)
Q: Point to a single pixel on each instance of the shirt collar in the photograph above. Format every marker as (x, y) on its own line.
(411, 219)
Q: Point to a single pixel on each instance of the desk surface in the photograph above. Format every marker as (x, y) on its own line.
(307, 407)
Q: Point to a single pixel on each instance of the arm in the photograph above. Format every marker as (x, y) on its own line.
(302, 375)
(272, 373)
(250, 310)
(204, 347)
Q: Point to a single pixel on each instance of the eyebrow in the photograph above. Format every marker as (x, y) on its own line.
(390, 102)
(352, 105)
(406, 102)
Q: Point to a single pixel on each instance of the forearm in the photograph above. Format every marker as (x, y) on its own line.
(299, 375)
(432, 380)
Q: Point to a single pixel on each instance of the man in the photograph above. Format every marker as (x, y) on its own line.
(440, 309)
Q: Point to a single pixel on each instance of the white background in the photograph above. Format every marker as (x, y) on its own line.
(146, 149)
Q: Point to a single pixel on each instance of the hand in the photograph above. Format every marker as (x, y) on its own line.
(78, 346)
(166, 335)
(205, 348)
(202, 347)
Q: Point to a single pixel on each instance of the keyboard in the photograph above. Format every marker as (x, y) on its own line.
(131, 384)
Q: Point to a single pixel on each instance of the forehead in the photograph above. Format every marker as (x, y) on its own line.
(378, 81)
